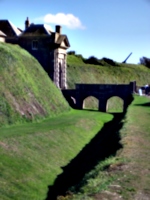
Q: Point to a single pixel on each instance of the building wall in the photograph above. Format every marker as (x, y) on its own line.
(2, 39)
(52, 58)
(60, 69)
(44, 52)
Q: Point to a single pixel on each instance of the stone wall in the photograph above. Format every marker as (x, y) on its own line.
(102, 92)
(2, 39)
(60, 69)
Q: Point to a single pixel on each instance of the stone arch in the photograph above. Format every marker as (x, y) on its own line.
(71, 100)
(90, 102)
(115, 103)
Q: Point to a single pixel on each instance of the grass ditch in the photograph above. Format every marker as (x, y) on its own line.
(103, 145)
(124, 176)
(33, 155)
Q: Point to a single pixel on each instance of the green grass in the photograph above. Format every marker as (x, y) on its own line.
(32, 154)
(26, 91)
(127, 173)
(79, 72)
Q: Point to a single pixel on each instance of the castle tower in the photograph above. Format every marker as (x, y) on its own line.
(27, 23)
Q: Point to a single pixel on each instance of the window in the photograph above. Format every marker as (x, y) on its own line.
(34, 45)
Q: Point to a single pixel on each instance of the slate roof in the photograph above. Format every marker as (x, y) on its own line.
(38, 29)
(9, 29)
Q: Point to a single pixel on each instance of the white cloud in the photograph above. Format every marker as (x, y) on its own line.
(68, 20)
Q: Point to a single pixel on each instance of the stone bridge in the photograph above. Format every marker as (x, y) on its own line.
(102, 92)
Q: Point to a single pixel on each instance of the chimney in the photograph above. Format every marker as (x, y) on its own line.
(27, 23)
(58, 29)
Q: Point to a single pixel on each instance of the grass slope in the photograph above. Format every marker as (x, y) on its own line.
(26, 92)
(125, 176)
(32, 154)
(79, 72)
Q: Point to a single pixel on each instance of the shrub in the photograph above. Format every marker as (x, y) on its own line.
(71, 52)
(145, 61)
(92, 60)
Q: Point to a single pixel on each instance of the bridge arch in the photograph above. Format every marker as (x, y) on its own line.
(71, 100)
(90, 102)
(102, 92)
(115, 104)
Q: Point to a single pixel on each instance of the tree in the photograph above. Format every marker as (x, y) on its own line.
(92, 60)
(71, 53)
(145, 61)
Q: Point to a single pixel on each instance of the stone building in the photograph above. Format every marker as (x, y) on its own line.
(48, 47)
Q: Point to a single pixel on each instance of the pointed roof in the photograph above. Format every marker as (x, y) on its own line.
(9, 28)
(2, 34)
(38, 29)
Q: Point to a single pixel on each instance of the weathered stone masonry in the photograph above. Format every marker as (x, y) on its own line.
(48, 47)
(100, 91)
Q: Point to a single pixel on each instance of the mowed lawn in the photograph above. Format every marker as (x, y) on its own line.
(135, 182)
(31, 155)
(125, 176)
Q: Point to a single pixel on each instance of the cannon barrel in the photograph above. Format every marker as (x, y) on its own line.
(127, 58)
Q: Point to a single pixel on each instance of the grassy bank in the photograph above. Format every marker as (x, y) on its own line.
(125, 176)
(119, 73)
(32, 154)
(79, 72)
(26, 91)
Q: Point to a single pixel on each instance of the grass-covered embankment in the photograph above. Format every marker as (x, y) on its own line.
(79, 72)
(32, 154)
(26, 91)
(125, 176)
(105, 73)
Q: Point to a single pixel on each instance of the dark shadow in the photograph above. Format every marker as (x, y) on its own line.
(144, 104)
(104, 144)
(87, 109)
(70, 101)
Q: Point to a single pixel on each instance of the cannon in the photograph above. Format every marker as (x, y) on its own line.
(127, 58)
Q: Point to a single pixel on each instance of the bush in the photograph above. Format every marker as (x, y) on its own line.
(109, 61)
(145, 61)
(92, 60)
(71, 52)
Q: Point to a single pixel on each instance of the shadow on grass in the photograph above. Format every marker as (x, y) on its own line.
(103, 145)
(144, 104)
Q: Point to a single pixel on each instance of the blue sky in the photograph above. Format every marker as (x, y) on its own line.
(101, 28)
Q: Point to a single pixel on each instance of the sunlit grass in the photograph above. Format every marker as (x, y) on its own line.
(32, 154)
(26, 91)
(125, 174)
